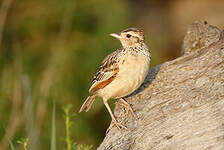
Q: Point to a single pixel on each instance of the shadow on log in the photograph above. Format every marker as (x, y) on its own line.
(180, 106)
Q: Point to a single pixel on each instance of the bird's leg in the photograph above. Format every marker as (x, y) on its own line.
(127, 107)
(114, 121)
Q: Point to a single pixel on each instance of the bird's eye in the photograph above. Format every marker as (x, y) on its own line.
(128, 35)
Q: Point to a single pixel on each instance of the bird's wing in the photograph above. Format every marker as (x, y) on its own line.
(107, 72)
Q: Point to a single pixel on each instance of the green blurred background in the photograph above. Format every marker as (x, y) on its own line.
(50, 50)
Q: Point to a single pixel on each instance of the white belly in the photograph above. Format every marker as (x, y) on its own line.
(131, 75)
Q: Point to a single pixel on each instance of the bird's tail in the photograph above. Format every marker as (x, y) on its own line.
(87, 104)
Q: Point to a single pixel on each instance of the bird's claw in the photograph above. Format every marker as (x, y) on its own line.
(117, 124)
(127, 108)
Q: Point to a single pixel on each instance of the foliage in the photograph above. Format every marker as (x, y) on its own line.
(70, 145)
(53, 129)
(24, 142)
(11, 145)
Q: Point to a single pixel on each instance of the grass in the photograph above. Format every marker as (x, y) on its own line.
(68, 123)
(53, 129)
(11, 145)
(70, 144)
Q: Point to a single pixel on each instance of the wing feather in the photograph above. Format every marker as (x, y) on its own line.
(107, 72)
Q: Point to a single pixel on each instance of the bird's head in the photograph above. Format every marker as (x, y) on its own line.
(130, 37)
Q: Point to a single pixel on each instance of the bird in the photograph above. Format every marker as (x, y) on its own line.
(121, 73)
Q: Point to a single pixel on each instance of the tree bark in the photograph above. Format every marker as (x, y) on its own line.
(180, 105)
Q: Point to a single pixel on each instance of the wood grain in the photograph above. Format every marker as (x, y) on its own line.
(180, 106)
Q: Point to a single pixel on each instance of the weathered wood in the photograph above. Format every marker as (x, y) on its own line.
(180, 106)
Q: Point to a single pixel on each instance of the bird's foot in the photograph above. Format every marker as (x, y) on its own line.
(117, 124)
(127, 107)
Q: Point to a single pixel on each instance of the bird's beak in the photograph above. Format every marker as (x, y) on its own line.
(115, 35)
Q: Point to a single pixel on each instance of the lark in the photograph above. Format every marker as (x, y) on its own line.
(120, 73)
